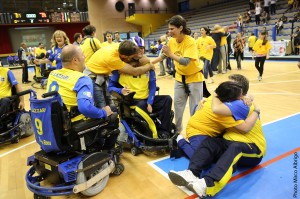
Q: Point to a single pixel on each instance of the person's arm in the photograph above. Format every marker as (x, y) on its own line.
(181, 60)
(135, 71)
(248, 124)
(14, 82)
(113, 84)
(84, 90)
(21, 104)
(219, 107)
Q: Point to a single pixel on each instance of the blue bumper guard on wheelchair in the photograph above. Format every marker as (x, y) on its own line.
(68, 169)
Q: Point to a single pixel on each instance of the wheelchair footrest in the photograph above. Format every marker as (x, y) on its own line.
(8, 131)
(85, 185)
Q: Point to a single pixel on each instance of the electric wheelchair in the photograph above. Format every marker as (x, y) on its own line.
(15, 123)
(136, 133)
(73, 157)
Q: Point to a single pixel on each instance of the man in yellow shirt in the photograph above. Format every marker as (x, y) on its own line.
(251, 42)
(7, 81)
(115, 57)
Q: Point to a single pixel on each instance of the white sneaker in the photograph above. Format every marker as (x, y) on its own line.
(259, 78)
(198, 187)
(182, 178)
(224, 72)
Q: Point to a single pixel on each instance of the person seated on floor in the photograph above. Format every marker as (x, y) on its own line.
(205, 123)
(76, 89)
(234, 149)
(7, 82)
(145, 99)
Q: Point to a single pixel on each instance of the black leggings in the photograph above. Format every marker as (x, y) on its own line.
(259, 64)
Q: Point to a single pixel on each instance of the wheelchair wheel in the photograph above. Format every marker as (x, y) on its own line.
(119, 169)
(96, 188)
(135, 151)
(27, 129)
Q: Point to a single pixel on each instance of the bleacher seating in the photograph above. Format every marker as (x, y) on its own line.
(226, 14)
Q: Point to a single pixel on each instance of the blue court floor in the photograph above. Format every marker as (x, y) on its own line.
(276, 177)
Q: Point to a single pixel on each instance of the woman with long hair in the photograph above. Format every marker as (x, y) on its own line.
(58, 41)
(239, 47)
(206, 44)
(261, 50)
(182, 49)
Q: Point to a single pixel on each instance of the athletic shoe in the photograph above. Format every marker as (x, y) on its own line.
(182, 178)
(198, 187)
(259, 78)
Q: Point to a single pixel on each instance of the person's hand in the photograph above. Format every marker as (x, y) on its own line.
(149, 108)
(256, 107)
(125, 90)
(201, 104)
(107, 110)
(166, 50)
(268, 56)
(152, 66)
(21, 105)
(298, 64)
(22, 65)
(36, 61)
(248, 99)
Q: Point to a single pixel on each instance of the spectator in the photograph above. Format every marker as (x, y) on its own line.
(77, 39)
(257, 14)
(279, 26)
(290, 6)
(239, 46)
(109, 40)
(273, 7)
(251, 5)
(89, 44)
(283, 18)
(161, 41)
(195, 35)
(267, 4)
(117, 37)
(296, 37)
(264, 17)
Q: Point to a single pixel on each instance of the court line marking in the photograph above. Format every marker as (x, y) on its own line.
(20, 147)
(193, 196)
(258, 167)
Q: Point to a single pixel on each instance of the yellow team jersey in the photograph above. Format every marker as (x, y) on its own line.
(252, 40)
(104, 44)
(255, 135)
(223, 38)
(138, 84)
(64, 81)
(205, 122)
(187, 48)
(86, 47)
(5, 86)
(105, 60)
(39, 51)
(202, 43)
(262, 49)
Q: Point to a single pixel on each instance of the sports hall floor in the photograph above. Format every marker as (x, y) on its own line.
(145, 175)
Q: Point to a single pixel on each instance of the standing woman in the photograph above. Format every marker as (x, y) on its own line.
(261, 49)
(206, 44)
(239, 46)
(58, 41)
(188, 77)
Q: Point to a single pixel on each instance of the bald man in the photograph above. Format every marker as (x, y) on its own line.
(75, 88)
